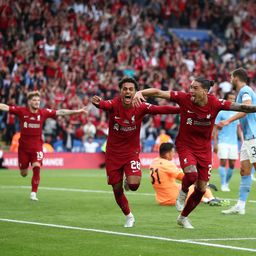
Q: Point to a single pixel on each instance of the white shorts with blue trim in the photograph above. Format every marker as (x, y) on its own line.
(248, 151)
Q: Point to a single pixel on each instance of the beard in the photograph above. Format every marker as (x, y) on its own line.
(34, 107)
(234, 86)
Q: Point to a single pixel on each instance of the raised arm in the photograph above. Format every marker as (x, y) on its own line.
(66, 112)
(153, 110)
(102, 104)
(231, 119)
(4, 107)
(244, 108)
(151, 92)
(96, 101)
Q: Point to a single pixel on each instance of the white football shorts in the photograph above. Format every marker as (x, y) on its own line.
(248, 151)
(227, 151)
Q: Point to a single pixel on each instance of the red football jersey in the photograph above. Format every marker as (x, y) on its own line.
(197, 122)
(124, 126)
(31, 126)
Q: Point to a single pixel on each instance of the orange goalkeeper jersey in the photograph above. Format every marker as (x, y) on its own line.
(163, 174)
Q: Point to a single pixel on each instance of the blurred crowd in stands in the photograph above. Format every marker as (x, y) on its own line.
(71, 50)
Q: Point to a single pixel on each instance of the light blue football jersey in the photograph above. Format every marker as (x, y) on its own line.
(228, 134)
(249, 121)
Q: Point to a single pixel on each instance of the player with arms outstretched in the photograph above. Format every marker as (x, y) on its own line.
(198, 110)
(30, 149)
(123, 143)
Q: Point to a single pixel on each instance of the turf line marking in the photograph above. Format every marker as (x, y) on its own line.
(94, 191)
(77, 190)
(224, 239)
(129, 234)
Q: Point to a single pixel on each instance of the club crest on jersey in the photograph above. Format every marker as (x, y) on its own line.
(38, 118)
(208, 116)
(25, 125)
(148, 105)
(116, 127)
(133, 118)
(189, 121)
(222, 101)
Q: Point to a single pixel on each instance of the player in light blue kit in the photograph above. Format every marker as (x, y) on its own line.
(246, 95)
(226, 143)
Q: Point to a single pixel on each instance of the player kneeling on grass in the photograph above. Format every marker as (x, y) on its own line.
(164, 173)
(123, 143)
(30, 150)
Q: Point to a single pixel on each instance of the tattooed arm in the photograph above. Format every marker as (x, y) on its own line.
(244, 108)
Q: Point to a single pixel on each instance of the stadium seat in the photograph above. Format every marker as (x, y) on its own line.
(148, 145)
(77, 146)
(58, 146)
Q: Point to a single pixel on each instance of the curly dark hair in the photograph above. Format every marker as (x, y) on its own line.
(128, 80)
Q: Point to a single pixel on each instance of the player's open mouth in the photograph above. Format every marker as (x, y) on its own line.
(127, 98)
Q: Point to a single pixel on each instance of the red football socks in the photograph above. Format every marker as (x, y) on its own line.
(188, 180)
(192, 202)
(35, 178)
(122, 200)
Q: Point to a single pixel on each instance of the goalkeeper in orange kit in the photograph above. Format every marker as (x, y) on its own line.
(164, 173)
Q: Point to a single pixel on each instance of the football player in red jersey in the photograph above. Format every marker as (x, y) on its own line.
(30, 149)
(198, 110)
(123, 143)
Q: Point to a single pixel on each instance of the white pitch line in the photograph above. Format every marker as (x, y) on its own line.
(95, 191)
(224, 239)
(130, 235)
(77, 190)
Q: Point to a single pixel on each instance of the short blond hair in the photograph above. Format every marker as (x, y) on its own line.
(32, 94)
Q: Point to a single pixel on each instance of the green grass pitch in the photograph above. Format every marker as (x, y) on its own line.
(76, 215)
